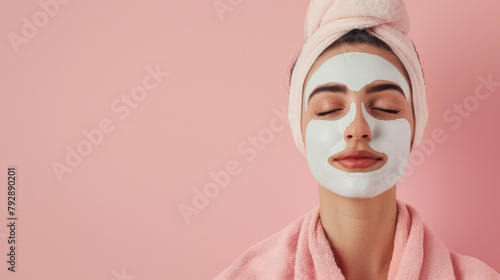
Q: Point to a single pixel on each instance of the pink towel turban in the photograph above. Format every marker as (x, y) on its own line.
(327, 20)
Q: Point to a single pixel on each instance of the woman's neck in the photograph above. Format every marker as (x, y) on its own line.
(361, 232)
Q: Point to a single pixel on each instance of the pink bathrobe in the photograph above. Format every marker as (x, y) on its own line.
(302, 251)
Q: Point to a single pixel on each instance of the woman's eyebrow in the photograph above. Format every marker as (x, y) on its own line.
(382, 87)
(330, 88)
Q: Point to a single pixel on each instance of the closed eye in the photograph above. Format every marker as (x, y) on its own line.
(326, 113)
(387, 110)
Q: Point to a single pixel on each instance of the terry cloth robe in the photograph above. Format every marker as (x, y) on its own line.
(302, 251)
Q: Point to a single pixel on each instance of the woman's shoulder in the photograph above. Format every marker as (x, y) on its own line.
(467, 267)
(275, 251)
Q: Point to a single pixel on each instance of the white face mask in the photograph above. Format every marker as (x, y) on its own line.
(325, 138)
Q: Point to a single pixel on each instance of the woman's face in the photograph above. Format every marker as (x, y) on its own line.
(357, 120)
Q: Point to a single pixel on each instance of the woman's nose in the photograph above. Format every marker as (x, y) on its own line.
(359, 128)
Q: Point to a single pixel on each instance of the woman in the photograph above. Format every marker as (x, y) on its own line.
(357, 108)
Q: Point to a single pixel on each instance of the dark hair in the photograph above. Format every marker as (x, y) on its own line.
(355, 36)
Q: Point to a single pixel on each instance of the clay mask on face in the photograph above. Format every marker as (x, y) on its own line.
(325, 138)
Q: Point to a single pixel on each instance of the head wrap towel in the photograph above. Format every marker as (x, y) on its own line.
(327, 20)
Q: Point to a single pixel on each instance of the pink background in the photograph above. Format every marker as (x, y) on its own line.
(117, 213)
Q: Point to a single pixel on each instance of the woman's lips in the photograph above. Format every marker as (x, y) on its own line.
(357, 162)
(357, 159)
